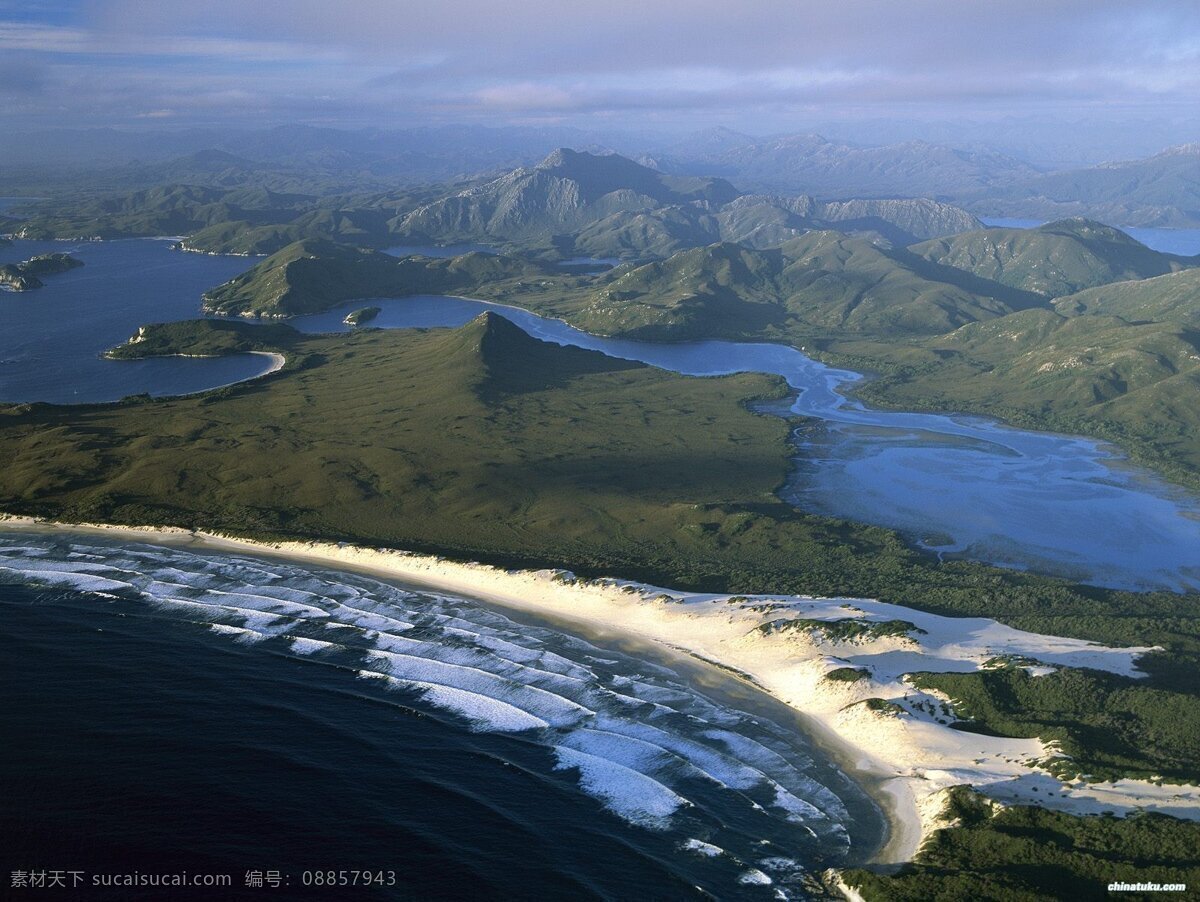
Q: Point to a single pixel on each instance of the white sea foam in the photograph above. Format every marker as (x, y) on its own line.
(754, 877)
(699, 847)
(83, 582)
(553, 708)
(627, 793)
(303, 646)
(485, 712)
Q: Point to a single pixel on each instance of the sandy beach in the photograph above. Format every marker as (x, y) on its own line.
(902, 748)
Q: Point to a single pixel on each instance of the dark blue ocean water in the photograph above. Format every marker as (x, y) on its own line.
(168, 710)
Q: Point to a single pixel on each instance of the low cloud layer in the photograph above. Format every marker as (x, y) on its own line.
(764, 65)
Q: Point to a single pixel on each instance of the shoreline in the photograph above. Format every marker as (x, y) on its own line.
(903, 754)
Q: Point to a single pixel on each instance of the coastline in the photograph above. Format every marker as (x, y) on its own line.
(904, 754)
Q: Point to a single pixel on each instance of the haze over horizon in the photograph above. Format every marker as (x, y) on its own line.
(1053, 81)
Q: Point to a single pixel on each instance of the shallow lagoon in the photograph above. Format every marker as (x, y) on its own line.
(965, 486)
(968, 486)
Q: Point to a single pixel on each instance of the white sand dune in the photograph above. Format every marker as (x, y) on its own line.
(906, 748)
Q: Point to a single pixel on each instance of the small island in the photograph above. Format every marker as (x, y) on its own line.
(362, 316)
(25, 276)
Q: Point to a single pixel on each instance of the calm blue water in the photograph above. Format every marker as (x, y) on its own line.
(1185, 242)
(987, 492)
(51, 338)
(969, 486)
(173, 710)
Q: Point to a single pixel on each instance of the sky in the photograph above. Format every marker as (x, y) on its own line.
(760, 66)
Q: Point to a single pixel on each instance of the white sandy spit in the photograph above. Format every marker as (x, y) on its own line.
(909, 749)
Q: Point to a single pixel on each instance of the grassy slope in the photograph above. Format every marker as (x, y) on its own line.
(1170, 298)
(313, 275)
(1055, 259)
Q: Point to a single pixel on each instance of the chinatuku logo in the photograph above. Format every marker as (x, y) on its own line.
(1120, 887)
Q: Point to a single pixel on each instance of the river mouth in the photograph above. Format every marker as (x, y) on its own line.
(1054, 504)
(959, 486)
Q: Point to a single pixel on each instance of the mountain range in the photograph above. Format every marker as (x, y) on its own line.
(570, 204)
(610, 206)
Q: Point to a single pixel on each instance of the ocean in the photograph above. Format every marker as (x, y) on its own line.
(175, 711)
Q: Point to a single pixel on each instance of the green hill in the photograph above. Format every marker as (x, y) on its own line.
(1055, 259)
(314, 275)
(478, 439)
(1171, 298)
(821, 282)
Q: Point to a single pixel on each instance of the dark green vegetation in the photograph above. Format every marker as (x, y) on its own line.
(1025, 854)
(1108, 727)
(205, 338)
(847, 675)
(848, 630)
(819, 283)
(362, 316)
(1117, 361)
(26, 276)
(314, 275)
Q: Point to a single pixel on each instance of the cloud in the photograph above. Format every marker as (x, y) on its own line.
(491, 62)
